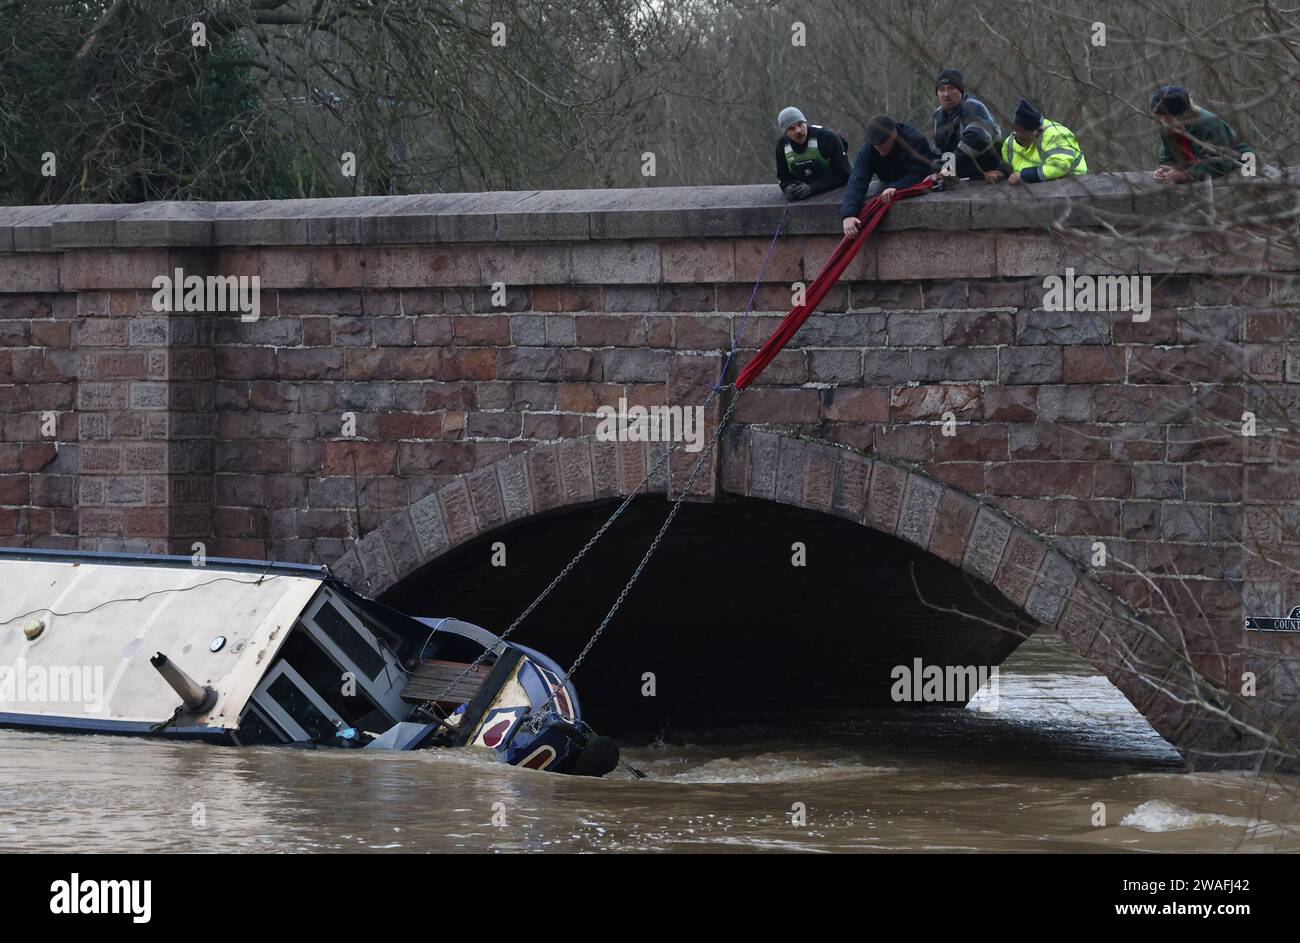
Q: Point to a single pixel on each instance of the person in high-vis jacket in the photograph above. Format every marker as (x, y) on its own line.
(810, 159)
(1038, 149)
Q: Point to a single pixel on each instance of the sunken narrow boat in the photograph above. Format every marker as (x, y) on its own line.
(247, 652)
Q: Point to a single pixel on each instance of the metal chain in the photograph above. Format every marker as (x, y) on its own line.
(717, 388)
(542, 711)
(627, 501)
(604, 527)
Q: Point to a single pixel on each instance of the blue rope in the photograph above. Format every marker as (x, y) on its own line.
(735, 337)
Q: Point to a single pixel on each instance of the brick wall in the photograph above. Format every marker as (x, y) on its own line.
(176, 428)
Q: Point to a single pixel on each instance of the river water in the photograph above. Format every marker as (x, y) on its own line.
(1019, 772)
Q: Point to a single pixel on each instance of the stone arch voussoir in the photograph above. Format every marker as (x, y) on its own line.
(545, 478)
(983, 541)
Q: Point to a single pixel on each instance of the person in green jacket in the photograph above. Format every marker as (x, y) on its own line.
(1038, 149)
(1195, 144)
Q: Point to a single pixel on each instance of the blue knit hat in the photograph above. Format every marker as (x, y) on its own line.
(1170, 100)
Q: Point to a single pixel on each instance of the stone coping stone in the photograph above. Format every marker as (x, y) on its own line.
(639, 213)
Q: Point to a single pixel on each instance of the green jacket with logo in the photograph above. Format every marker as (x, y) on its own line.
(1055, 154)
(821, 162)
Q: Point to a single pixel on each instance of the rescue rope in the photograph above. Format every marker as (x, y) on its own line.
(870, 217)
(830, 272)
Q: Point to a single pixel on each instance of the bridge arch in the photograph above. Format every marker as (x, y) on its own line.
(989, 545)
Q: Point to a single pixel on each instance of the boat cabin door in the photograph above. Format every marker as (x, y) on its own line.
(294, 705)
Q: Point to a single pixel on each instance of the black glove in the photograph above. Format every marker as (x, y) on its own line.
(798, 191)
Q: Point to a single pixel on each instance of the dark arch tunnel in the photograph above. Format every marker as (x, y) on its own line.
(731, 630)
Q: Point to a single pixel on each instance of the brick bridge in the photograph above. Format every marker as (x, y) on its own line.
(129, 428)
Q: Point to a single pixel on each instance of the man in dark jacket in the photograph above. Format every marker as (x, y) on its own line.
(964, 126)
(896, 153)
(810, 159)
(1194, 143)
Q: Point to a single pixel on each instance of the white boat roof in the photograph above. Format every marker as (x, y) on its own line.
(105, 615)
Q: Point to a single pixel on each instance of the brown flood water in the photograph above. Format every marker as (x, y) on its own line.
(1022, 777)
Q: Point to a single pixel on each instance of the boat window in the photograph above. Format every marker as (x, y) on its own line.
(342, 633)
(326, 678)
(298, 706)
(254, 729)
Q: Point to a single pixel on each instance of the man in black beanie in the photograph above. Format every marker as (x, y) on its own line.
(964, 126)
(1195, 144)
(1038, 149)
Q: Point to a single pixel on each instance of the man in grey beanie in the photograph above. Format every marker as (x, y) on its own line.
(810, 159)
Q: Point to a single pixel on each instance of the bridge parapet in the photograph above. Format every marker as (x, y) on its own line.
(463, 333)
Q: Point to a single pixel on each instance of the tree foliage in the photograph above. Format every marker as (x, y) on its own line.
(460, 95)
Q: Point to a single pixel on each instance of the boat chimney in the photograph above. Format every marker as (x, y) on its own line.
(198, 699)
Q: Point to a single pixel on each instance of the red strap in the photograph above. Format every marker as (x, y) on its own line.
(830, 273)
